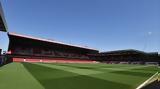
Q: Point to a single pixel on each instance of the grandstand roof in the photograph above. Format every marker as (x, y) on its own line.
(50, 41)
(127, 51)
(3, 25)
(122, 51)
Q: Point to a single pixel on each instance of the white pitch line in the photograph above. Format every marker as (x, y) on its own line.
(146, 82)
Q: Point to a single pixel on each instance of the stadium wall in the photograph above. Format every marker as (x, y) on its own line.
(51, 60)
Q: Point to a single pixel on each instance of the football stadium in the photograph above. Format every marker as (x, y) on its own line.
(37, 63)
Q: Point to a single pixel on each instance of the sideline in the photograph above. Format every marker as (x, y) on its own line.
(149, 81)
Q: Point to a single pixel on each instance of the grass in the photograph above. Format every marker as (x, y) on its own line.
(73, 76)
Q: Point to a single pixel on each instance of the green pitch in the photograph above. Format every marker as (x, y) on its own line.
(73, 76)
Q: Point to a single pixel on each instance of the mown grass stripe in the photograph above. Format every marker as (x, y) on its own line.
(121, 79)
(15, 76)
(69, 82)
(76, 76)
(98, 76)
(71, 69)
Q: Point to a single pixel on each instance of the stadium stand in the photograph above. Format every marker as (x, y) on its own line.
(130, 56)
(29, 48)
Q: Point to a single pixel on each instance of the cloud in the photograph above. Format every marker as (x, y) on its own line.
(149, 33)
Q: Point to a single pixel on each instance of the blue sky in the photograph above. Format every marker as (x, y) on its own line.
(102, 24)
